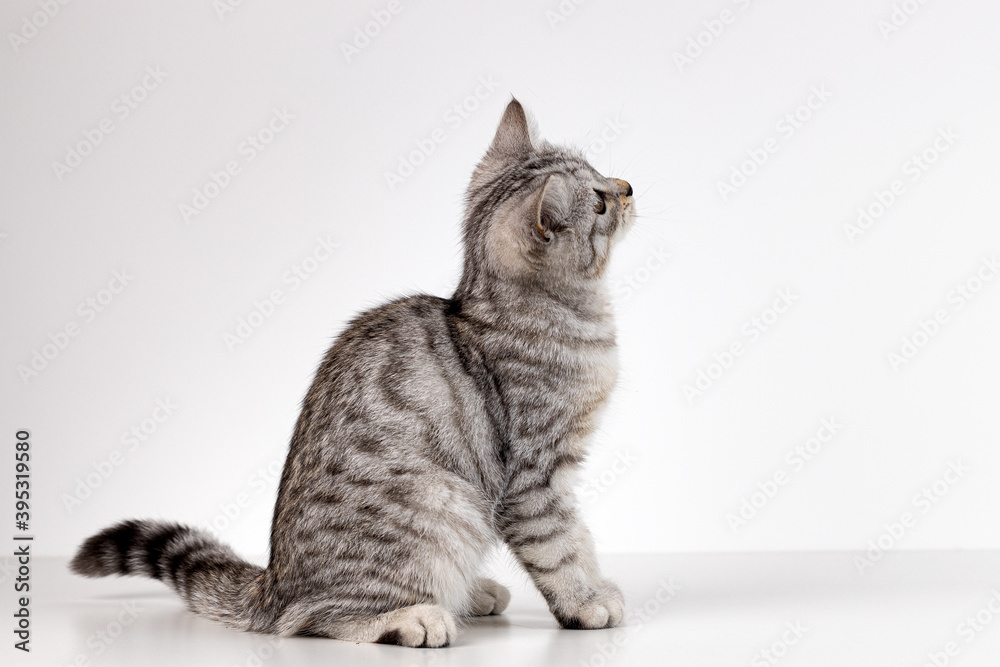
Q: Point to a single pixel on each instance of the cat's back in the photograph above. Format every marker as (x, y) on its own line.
(395, 383)
(398, 326)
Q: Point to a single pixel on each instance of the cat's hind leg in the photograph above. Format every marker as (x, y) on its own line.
(418, 626)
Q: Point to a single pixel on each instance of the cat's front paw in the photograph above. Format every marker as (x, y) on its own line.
(603, 608)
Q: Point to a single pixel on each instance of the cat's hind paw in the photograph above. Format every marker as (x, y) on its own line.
(420, 626)
(488, 597)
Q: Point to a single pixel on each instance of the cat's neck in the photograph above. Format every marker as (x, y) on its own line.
(580, 311)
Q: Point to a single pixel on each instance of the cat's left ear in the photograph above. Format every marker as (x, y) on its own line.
(514, 133)
(552, 208)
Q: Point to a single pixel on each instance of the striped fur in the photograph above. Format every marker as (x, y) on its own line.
(434, 430)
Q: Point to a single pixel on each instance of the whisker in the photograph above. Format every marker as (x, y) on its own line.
(636, 157)
(658, 218)
(659, 180)
(648, 232)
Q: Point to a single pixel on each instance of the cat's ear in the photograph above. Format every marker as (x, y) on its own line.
(514, 133)
(552, 209)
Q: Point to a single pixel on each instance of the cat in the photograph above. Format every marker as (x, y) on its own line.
(434, 430)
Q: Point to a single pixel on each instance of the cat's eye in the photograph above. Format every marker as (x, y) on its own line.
(600, 205)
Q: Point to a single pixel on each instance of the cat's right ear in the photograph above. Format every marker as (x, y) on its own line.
(513, 135)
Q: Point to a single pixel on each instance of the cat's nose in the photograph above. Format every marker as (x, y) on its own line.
(624, 185)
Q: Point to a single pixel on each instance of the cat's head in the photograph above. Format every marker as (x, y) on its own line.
(539, 213)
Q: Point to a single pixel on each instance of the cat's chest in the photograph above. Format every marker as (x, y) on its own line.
(579, 378)
(597, 374)
(575, 400)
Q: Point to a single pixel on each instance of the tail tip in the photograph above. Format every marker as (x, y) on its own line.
(106, 553)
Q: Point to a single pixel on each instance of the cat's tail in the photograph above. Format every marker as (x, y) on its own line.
(207, 574)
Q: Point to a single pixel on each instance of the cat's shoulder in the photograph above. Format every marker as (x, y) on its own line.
(399, 315)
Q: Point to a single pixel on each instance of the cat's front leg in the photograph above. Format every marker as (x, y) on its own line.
(542, 526)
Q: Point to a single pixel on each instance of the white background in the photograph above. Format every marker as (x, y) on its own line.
(666, 472)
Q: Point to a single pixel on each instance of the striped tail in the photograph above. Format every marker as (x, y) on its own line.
(211, 579)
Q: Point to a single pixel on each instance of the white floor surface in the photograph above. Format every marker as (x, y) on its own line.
(814, 609)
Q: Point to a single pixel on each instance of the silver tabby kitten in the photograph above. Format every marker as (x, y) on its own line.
(434, 429)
